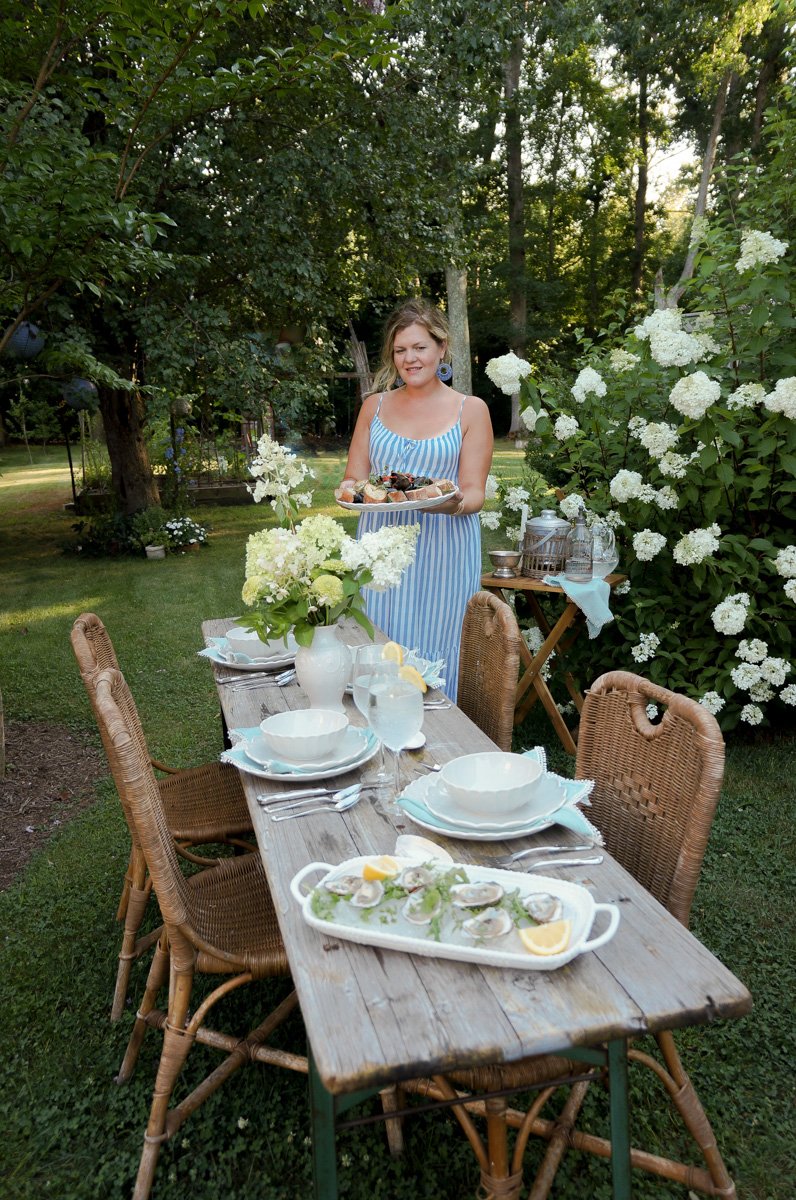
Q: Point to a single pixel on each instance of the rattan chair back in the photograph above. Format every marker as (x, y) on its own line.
(489, 664)
(138, 790)
(657, 782)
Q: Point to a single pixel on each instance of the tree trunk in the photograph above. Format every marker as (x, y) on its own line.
(517, 296)
(131, 474)
(640, 206)
(676, 292)
(456, 283)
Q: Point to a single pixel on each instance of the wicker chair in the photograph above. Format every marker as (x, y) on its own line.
(203, 805)
(657, 786)
(489, 664)
(220, 921)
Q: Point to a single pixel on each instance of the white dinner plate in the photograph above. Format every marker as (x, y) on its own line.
(219, 653)
(398, 506)
(442, 804)
(351, 746)
(412, 801)
(238, 757)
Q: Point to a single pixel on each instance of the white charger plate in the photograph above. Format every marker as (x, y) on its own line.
(412, 802)
(352, 745)
(398, 506)
(442, 804)
(218, 654)
(353, 924)
(237, 757)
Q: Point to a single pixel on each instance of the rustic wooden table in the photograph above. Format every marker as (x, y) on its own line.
(375, 1016)
(531, 686)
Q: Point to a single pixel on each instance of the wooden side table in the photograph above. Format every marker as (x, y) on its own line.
(531, 686)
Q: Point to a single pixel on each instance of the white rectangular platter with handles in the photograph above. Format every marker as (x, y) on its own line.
(445, 936)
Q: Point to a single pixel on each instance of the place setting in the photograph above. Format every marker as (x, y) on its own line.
(242, 649)
(307, 744)
(497, 796)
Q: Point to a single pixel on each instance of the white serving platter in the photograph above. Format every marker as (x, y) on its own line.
(397, 506)
(349, 924)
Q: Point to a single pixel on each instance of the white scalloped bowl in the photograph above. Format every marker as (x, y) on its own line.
(246, 641)
(304, 735)
(491, 783)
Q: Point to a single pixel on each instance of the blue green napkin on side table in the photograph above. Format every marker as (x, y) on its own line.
(591, 598)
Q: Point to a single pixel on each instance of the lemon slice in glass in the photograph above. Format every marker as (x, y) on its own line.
(412, 675)
(392, 652)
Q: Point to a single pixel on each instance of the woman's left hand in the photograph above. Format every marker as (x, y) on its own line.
(451, 506)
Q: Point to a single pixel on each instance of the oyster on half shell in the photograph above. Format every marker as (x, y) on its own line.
(476, 895)
(420, 908)
(368, 894)
(491, 923)
(543, 907)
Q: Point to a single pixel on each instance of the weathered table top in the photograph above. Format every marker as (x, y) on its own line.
(374, 1016)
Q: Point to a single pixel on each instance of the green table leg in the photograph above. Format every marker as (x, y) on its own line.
(322, 1122)
(620, 1119)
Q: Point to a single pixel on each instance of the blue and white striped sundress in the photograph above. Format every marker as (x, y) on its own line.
(426, 610)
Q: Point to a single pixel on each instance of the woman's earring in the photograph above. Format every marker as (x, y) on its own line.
(444, 372)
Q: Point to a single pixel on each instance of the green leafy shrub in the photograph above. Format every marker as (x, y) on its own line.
(681, 433)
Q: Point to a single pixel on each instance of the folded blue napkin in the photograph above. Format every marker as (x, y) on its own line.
(591, 598)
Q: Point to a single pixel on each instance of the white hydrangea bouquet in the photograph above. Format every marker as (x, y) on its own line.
(681, 434)
(311, 575)
(280, 477)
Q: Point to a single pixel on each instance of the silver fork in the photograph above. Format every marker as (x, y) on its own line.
(543, 851)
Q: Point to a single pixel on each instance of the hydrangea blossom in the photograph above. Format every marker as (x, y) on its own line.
(572, 505)
(746, 396)
(658, 437)
(761, 693)
(622, 588)
(693, 394)
(625, 486)
(491, 488)
(279, 474)
(752, 650)
(507, 372)
(666, 497)
(694, 547)
(565, 428)
(622, 360)
(788, 694)
(662, 320)
(790, 590)
(675, 348)
(730, 616)
(529, 417)
(785, 562)
(516, 497)
(647, 544)
(746, 676)
(757, 249)
(783, 398)
(587, 381)
(752, 714)
(673, 465)
(645, 650)
(489, 520)
(713, 702)
(775, 670)
(636, 425)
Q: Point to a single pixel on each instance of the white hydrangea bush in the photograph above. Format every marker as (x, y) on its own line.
(680, 430)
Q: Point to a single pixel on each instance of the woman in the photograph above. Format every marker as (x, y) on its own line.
(423, 427)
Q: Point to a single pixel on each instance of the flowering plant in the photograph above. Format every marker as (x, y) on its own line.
(182, 531)
(279, 473)
(680, 434)
(312, 574)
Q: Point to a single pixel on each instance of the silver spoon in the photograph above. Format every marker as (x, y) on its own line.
(341, 806)
(319, 796)
(567, 862)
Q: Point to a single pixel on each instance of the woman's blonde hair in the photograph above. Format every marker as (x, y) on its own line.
(411, 312)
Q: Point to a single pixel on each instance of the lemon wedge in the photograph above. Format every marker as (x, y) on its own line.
(383, 867)
(392, 652)
(546, 939)
(412, 675)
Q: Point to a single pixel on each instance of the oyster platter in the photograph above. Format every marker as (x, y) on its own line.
(451, 910)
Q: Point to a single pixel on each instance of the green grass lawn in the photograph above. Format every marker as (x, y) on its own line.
(71, 1132)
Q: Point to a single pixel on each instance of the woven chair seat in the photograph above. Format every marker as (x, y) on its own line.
(205, 804)
(527, 1072)
(251, 941)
